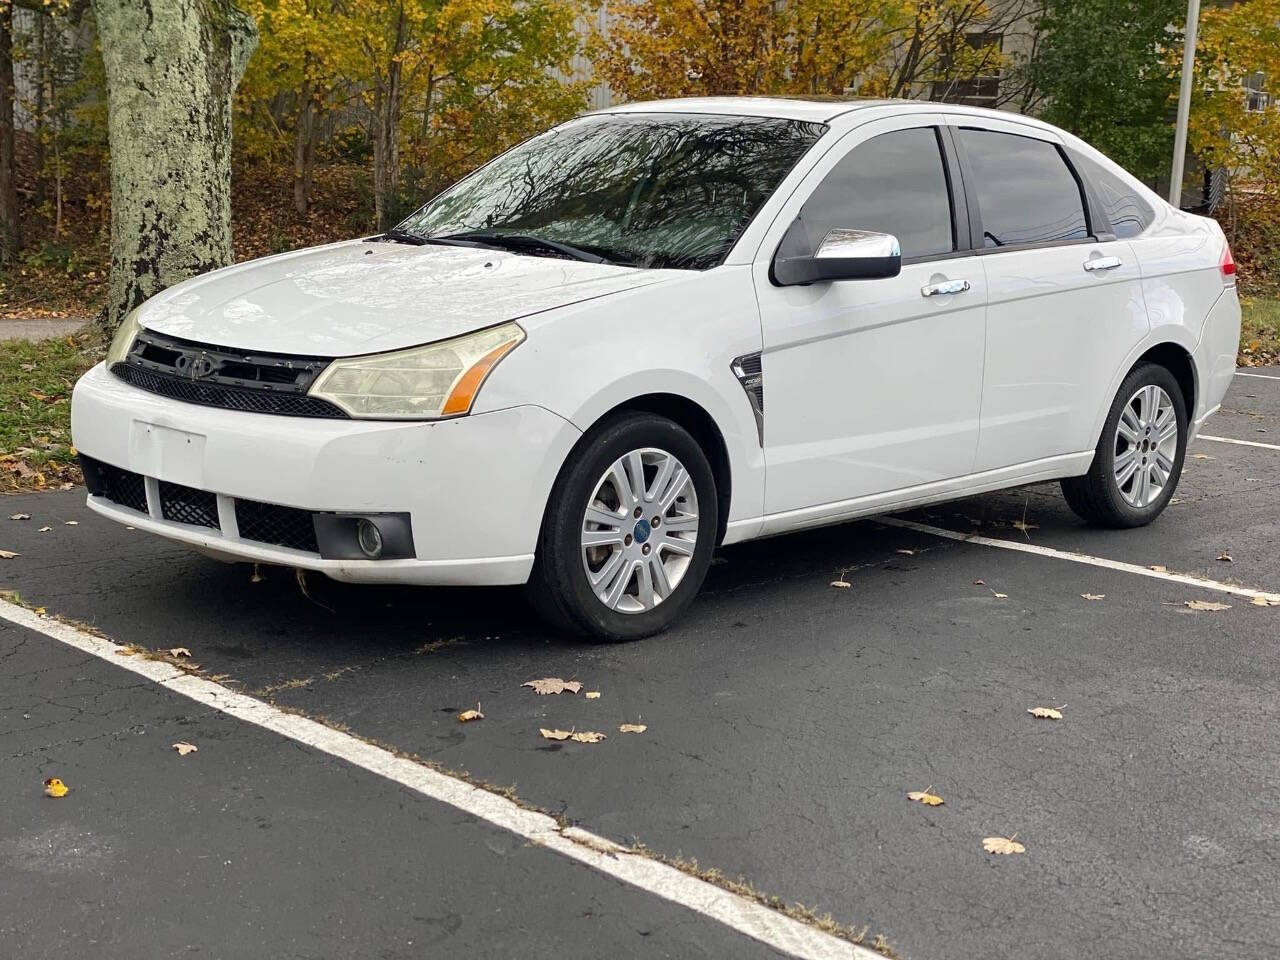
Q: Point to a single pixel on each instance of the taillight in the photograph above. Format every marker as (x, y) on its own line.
(1227, 264)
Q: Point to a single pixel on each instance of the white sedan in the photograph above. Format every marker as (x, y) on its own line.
(668, 326)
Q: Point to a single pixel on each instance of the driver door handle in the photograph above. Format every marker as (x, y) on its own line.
(944, 288)
(1103, 263)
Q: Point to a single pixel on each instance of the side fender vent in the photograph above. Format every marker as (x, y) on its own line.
(750, 373)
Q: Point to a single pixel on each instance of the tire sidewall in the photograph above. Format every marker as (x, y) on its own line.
(1144, 375)
(564, 524)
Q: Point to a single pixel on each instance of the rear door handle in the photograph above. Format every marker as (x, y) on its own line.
(1103, 263)
(944, 288)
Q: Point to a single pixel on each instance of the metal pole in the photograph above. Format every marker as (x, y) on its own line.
(1184, 102)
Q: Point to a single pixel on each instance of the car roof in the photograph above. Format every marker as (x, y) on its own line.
(817, 108)
(820, 109)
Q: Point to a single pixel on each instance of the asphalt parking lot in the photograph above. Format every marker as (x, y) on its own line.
(786, 720)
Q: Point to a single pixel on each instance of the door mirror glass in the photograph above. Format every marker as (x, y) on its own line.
(843, 254)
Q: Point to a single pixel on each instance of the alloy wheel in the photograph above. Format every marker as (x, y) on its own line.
(1146, 444)
(639, 530)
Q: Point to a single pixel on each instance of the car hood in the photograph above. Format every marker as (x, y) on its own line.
(365, 297)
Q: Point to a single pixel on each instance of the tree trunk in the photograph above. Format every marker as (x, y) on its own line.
(10, 236)
(172, 67)
(304, 149)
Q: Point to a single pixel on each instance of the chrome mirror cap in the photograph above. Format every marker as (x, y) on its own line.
(857, 244)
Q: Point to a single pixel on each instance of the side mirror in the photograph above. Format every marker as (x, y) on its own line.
(843, 255)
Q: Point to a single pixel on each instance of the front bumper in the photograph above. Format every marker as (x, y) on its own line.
(475, 487)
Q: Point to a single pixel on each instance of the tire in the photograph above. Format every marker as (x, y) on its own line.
(1100, 497)
(559, 588)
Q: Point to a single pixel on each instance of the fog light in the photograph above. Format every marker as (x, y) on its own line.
(369, 538)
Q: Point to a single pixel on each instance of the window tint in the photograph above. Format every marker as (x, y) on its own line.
(894, 183)
(1128, 212)
(1026, 191)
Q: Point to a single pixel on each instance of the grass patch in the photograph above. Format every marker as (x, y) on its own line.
(1259, 331)
(35, 409)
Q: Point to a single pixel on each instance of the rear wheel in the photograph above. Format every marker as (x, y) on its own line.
(1138, 461)
(629, 531)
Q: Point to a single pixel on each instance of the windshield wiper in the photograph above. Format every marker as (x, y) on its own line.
(522, 241)
(396, 235)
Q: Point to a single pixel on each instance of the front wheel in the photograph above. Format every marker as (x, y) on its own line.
(629, 531)
(1138, 461)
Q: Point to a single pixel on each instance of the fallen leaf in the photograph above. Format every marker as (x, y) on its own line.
(128, 650)
(179, 652)
(1023, 526)
(979, 583)
(1158, 568)
(842, 584)
(1201, 456)
(592, 694)
(1265, 601)
(45, 529)
(581, 736)
(632, 728)
(53, 787)
(257, 575)
(907, 553)
(1094, 596)
(1207, 605)
(1002, 845)
(553, 685)
(20, 516)
(1226, 558)
(1046, 713)
(8, 554)
(184, 748)
(466, 716)
(925, 797)
(72, 523)
(1000, 596)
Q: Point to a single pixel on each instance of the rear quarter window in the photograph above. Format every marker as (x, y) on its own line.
(1128, 212)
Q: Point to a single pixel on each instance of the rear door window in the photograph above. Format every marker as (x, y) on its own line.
(1128, 212)
(1026, 192)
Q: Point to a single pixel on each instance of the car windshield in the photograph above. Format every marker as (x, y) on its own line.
(648, 190)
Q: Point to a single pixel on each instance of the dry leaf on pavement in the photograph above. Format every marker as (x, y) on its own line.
(53, 787)
(1226, 557)
(582, 736)
(553, 685)
(1023, 526)
(905, 552)
(925, 797)
(842, 584)
(184, 748)
(632, 728)
(1265, 601)
(1002, 845)
(1046, 713)
(466, 716)
(8, 554)
(1201, 456)
(20, 516)
(1207, 605)
(1158, 568)
(1094, 596)
(592, 694)
(179, 652)
(73, 523)
(45, 529)
(1000, 596)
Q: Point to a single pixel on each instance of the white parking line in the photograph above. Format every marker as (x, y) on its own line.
(1243, 443)
(1260, 376)
(1182, 578)
(748, 917)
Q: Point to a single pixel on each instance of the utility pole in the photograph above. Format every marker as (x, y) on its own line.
(1184, 102)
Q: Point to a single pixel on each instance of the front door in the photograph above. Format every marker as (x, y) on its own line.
(873, 386)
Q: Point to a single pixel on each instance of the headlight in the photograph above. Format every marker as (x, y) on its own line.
(123, 340)
(438, 380)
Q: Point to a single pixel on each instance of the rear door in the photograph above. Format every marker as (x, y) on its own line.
(1064, 295)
